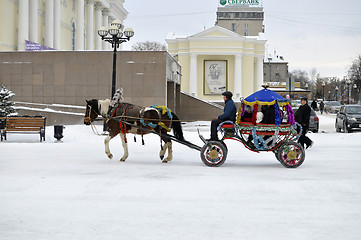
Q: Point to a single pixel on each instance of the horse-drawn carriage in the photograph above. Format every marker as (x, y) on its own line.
(280, 138)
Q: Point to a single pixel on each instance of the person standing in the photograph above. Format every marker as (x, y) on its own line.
(302, 116)
(314, 105)
(229, 113)
(322, 106)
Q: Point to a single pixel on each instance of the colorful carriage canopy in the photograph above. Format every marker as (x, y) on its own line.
(265, 97)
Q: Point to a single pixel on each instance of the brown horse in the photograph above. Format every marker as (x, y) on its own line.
(151, 118)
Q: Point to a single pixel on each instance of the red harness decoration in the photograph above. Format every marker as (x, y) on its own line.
(254, 116)
(123, 127)
(115, 111)
(124, 131)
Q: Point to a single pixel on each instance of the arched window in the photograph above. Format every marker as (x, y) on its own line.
(73, 36)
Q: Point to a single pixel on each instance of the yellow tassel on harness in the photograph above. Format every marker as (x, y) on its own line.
(164, 126)
(163, 108)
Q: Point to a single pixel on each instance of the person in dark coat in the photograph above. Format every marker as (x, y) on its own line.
(268, 114)
(302, 116)
(229, 113)
(322, 107)
(314, 105)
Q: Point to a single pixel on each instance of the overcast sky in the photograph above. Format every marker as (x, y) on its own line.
(322, 34)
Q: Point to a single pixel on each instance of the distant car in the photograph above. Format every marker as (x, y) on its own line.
(314, 121)
(332, 106)
(296, 103)
(348, 118)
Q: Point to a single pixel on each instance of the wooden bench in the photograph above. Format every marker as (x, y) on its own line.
(24, 124)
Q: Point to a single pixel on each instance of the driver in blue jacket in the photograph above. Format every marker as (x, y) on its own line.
(229, 113)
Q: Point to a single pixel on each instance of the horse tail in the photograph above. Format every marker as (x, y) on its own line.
(177, 127)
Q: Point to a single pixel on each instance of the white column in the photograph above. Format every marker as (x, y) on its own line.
(110, 20)
(90, 25)
(23, 27)
(98, 24)
(106, 25)
(258, 73)
(33, 22)
(79, 45)
(49, 23)
(238, 77)
(57, 24)
(193, 81)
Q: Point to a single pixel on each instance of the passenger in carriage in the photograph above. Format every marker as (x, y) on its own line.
(229, 113)
(268, 114)
(248, 113)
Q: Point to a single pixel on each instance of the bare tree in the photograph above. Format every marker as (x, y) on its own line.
(301, 76)
(149, 46)
(354, 73)
(314, 75)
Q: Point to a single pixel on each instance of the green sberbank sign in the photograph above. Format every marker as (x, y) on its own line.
(239, 2)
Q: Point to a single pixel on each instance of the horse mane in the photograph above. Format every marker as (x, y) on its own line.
(103, 106)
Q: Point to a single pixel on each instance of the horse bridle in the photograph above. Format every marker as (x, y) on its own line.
(88, 118)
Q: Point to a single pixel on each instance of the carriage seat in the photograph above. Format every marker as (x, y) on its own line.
(265, 129)
(261, 128)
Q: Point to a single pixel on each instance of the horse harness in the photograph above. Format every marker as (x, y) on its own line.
(123, 108)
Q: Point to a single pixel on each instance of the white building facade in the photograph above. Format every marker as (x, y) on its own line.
(217, 60)
(57, 24)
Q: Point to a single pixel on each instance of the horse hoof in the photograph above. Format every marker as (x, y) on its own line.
(161, 157)
(110, 156)
(164, 161)
(122, 160)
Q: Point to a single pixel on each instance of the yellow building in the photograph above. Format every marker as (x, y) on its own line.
(57, 24)
(216, 60)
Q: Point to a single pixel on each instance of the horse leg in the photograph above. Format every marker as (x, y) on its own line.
(167, 146)
(162, 151)
(125, 147)
(113, 131)
(169, 158)
(106, 143)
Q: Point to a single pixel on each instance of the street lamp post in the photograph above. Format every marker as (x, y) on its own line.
(348, 82)
(355, 90)
(336, 88)
(323, 90)
(306, 86)
(115, 38)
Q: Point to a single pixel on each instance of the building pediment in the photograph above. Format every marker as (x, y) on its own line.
(216, 32)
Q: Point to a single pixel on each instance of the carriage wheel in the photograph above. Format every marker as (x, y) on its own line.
(214, 153)
(291, 154)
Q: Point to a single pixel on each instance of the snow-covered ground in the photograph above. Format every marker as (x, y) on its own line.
(70, 190)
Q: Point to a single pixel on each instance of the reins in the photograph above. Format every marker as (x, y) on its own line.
(94, 129)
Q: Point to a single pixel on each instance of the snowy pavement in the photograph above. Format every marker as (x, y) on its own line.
(70, 190)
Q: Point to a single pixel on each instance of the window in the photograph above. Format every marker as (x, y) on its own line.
(73, 36)
(233, 27)
(237, 15)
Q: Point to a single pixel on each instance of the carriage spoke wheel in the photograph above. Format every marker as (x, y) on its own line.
(214, 154)
(291, 154)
